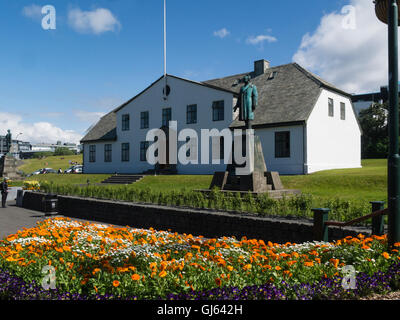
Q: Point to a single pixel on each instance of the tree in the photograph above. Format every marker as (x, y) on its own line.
(63, 151)
(375, 140)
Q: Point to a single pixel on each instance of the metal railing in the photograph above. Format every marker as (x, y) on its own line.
(321, 223)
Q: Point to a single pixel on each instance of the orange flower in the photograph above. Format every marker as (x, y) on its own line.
(335, 262)
(116, 283)
(162, 274)
(277, 268)
(309, 263)
(135, 277)
(386, 255)
(218, 282)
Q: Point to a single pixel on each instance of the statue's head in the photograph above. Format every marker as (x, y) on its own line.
(246, 79)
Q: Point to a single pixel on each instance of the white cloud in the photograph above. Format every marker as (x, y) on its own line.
(260, 39)
(353, 58)
(90, 117)
(97, 21)
(33, 11)
(36, 132)
(221, 33)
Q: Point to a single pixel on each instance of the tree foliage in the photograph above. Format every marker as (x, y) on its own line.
(374, 124)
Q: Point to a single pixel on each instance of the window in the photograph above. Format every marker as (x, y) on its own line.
(330, 107)
(125, 122)
(125, 152)
(166, 116)
(144, 145)
(107, 153)
(282, 144)
(222, 148)
(218, 110)
(191, 114)
(144, 120)
(342, 111)
(92, 153)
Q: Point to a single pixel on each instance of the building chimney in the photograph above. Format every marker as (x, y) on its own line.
(260, 67)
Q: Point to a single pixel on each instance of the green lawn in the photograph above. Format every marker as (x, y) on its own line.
(368, 183)
(55, 162)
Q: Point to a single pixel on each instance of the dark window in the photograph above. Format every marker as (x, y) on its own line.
(125, 122)
(125, 152)
(144, 145)
(330, 107)
(92, 153)
(166, 116)
(221, 148)
(342, 111)
(218, 110)
(144, 120)
(107, 153)
(191, 114)
(282, 144)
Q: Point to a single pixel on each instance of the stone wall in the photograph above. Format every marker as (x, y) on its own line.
(208, 223)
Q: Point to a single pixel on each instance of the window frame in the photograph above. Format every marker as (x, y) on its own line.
(342, 111)
(144, 119)
(125, 125)
(92, 153)
(144, 145)
(191, 110)
(166, 111)
(108, 152)
(331, 108)
(125, 152)
(218, 110)
(280, 151)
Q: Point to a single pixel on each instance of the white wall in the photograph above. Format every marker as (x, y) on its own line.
(332, 143)
(291, 165)
(183, 93)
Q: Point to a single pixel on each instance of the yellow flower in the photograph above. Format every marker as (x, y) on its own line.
(162, 274)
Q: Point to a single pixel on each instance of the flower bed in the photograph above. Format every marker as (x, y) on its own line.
(98, 261)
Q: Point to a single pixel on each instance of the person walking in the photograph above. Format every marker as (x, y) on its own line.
(4, 192)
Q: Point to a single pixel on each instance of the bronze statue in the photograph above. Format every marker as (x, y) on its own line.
(8, 140)
(247, 102)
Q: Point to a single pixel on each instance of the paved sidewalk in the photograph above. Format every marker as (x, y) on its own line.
(13, 218)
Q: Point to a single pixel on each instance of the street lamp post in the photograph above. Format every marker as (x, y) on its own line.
(391, 18)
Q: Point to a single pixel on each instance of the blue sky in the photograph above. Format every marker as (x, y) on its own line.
(55, 83)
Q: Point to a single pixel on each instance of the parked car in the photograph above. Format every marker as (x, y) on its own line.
(77, 169)
(48, 170)
(35, 172)
(74, 169)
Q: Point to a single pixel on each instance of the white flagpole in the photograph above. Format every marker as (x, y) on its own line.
(165, 38)
(165, 50)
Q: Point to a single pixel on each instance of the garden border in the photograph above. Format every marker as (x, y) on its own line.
(205, 222)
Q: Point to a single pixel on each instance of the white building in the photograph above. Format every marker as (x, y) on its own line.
(305, 124)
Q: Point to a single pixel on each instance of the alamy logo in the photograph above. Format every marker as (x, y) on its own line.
(165, 151)
(349, 21)
(49, 20)
(349, 278)
(49, 280)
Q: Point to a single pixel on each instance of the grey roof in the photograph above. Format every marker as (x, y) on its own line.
(104, 130)
(287, 98)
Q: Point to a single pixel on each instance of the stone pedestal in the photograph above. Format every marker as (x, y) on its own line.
(252, 177)
(8, 167)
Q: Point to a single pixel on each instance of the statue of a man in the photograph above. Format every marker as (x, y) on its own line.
(8, 140)
(247, 102)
